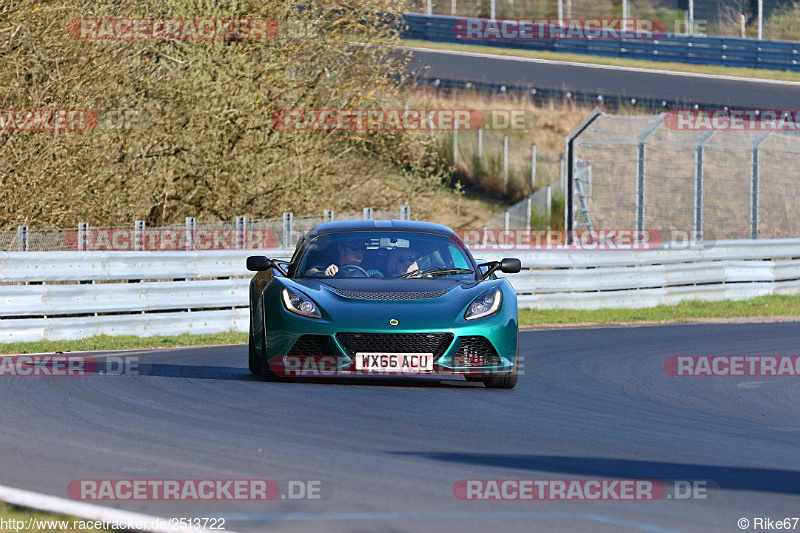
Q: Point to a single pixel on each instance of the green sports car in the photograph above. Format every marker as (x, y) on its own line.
(370, 297)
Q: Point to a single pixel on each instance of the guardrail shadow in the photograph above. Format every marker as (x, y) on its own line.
(722, 477)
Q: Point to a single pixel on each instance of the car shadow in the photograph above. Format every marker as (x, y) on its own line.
(723, 477)
(231, 373)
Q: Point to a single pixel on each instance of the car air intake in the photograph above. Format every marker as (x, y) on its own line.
(312, 345)
(476, 351)
(386, 295)
(435, 343)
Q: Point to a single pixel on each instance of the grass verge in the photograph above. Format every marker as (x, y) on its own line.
(763, 306)
(47, 522)
(766, 74)
(123, 342)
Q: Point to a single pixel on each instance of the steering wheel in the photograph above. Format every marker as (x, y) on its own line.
(352, 268)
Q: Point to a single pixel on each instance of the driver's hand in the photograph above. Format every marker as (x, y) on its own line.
(331, 270)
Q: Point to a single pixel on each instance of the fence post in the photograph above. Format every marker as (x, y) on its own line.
(754, 177)
(452, 8)
(744, 21)
(691, 17)
(533, 168)
(562, 178)
(549, 205)
(191, 225)
(528, 207)
(507, 220)
(561, 12)
(22, 238)
(640, 171)
(480, 143)
(287, 230)
(624, 9)
(429, 7)
(569, 9)
(241, 233)
(83, 236)
(405, 212)
(455, 143)
(492, 10)
(699, 150)
(367, 213)
(760, 19)
(327, 215)
(505, 164)
(138, 235)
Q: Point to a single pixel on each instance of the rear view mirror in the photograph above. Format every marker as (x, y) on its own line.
(259, 263)
(509, 265)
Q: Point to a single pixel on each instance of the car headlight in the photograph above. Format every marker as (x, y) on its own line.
(486, 304)
(299, 303)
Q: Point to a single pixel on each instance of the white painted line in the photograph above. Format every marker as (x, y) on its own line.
(601, 67)
(91, 512)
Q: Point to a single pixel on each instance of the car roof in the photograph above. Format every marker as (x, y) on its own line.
(373, 225)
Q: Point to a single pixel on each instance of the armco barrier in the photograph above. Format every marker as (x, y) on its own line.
(72, 295)
(725, 51)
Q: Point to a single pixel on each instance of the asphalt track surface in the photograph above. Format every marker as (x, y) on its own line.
(593, 403)
(595, 80)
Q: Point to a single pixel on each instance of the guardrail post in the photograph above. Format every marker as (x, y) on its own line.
(754, 185)
(241, 233)
(505, 164)
(22, 238)
(83, 236)
(367, 213)
(287, 229)
(327, 215)
(191, 226)
(138, 235)
(405, 212)
(533, 168)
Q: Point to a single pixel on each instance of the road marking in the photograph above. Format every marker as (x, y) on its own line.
(602, 67)
(87, 511)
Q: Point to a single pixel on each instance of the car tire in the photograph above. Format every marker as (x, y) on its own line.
(504, 380)
(254, 360)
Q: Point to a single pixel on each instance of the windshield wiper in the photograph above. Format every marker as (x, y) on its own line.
(435, 272)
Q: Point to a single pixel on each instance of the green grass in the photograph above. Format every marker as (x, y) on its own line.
(9, 512)
(767, 74)
(763, 306)
(124, 342)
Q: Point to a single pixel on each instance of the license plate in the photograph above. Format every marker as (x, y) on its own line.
(394, 362)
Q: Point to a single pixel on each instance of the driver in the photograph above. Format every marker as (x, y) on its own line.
(349, 252)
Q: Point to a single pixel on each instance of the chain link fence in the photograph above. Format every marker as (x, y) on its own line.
(242, 233)
(767, 19)
(643, 173)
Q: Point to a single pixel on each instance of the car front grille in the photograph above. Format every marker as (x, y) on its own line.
(312, 345)
(476, 351)
(435, 343)
(385, 295)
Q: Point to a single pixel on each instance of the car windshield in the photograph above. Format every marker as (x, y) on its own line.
(385, 254)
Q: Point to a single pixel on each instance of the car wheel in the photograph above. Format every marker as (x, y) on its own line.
(504, 380)
(254, 359)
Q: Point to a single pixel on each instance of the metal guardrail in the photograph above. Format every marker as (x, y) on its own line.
(66, 295)
(725, 51)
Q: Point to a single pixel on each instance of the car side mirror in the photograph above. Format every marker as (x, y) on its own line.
(259, 263)
(510, 265)
(507, 265)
